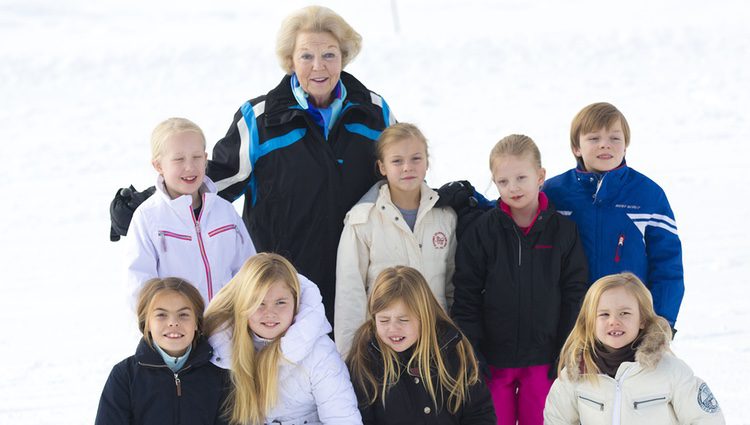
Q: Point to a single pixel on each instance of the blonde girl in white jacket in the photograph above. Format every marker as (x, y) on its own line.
(394, 224)
(185, 229)
(617, 368)
(278, 376)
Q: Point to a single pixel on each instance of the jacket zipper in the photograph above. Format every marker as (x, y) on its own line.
(177, 381)
(206, 265)
(601, 405)
(178, 384)
(519, 244)
(163, 234)
(638, 403)
(620, 243)
(221, 229)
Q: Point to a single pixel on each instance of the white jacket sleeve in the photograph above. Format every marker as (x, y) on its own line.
(350, 306)
(141, 256)
(561, 407)
(692, 401)
(332, 387)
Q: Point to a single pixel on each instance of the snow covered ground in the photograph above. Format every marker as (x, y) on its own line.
(83, 83)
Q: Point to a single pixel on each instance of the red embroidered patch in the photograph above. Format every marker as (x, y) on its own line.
(439, 240)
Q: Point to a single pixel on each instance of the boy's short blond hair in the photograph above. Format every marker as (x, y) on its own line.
(169, 128)
(594, 117)
(316, 19)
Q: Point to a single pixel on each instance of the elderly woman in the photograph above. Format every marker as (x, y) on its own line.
(303, 153)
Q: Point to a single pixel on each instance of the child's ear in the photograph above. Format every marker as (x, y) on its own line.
(381, 167)
(157, 166)
(542, 175)
(577, 152)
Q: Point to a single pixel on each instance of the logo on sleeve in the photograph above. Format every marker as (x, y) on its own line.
(706, 399)
(439, 240)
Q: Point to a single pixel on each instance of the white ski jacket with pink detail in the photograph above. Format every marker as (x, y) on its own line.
(167, 240)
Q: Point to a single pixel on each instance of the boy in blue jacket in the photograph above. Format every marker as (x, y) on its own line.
(624, 218)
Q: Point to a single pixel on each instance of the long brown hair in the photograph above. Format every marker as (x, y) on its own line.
(254, 373)
(406, 284)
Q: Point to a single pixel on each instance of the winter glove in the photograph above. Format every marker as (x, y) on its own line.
(457, 195)
(121, 209)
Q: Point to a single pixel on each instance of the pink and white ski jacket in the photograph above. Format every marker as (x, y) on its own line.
(167, 240)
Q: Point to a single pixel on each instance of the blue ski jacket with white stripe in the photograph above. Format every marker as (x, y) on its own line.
(626, 224)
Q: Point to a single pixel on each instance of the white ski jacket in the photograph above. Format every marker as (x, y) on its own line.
(166, 240)
(658, 388)
(314, 383)
(375, 237)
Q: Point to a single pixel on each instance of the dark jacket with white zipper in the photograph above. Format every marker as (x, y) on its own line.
(517, 296)
(142, 390)
(408, 402)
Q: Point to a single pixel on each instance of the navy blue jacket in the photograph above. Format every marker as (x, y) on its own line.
(626, 224)
(142, 390)
(408, 402)
(298, 184)
(517, 295)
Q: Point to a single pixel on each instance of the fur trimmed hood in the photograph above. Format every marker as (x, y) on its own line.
(654, 343)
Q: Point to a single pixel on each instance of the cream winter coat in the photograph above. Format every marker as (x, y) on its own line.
(314, 383)
(658, 388)
(375, 237)
(167, 240)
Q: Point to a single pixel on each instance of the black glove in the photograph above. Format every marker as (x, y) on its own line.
(458, 194)
(122, 207)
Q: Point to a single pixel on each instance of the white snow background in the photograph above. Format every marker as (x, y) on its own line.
(83, 83)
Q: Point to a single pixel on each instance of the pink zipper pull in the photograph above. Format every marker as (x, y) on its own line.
(620, 243)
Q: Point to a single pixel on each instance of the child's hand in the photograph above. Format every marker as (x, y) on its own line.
(457, 194)
(121, 209)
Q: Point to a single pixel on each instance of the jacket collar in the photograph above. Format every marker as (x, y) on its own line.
(427, 200)
(146, 355)
(654, 343)
(183, 204)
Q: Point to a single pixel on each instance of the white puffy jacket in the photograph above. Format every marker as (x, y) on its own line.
(375, 237)
(658, 388)
(314, 383)
(166, 240)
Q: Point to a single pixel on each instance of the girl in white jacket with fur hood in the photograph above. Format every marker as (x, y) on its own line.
(617, 368)
(394, 224)
(284, 367)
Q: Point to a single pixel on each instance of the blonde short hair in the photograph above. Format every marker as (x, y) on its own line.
(594, 117)
(517, 145)
(316, 19)
(169, 128)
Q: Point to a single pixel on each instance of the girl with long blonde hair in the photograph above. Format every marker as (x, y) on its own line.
(277, 376)
(616, 365)
(409, 360)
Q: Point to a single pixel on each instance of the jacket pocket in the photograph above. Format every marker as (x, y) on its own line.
(591, 402)
(164, 234)
(650, 401)
(222, 229)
